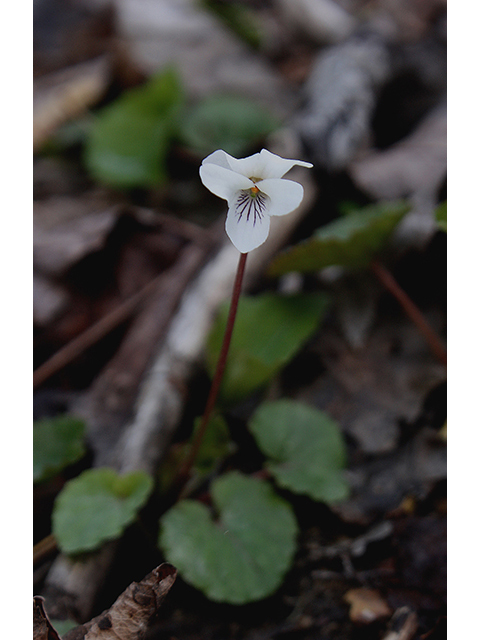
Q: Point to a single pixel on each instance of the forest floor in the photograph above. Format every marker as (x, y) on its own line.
(373, 565)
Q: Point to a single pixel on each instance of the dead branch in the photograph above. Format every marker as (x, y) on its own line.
(341, 95)
(109, 404)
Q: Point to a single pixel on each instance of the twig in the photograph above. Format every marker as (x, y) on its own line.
(93, 334)
(412, 311)
(44, 549)
(217, 379)
(124, 310)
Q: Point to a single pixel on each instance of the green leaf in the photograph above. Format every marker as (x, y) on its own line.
(269, 330)
(130, 138)
(62, 626)
(238, 18)
(350, 241)
(441, 216)
(230, 123)
(244, 553)
(57, 442)
(305, 448)
(216, 444)
(97, 506)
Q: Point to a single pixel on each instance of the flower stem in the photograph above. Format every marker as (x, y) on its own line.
(412, 311)
(217, 378)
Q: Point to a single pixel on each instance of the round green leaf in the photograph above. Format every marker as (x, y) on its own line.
(57, 442)
(269, 330)
(230, 123)
(97, 506)
(244, 553)
(350, 241)
(130, 138)
(305, 449)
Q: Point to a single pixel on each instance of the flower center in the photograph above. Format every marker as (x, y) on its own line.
(252, 203)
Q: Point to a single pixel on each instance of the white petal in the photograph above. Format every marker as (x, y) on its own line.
(223, 182)
(273, 166)
(219, 158)
(246, 234)
(250, 167)
(285, 195)
(247, 167)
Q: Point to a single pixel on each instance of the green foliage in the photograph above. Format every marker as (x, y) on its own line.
(441, 216)
(57, 442)
(62, 626)
(215, 446)
(230, 123)
(351, 241)
(305, 449)
(269, 330)
(97, 506)
(130, 138)
(238, 18)
(242, 555)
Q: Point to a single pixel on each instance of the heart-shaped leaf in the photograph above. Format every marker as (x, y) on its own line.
(305, 449)
(269, 330)
(130, 138)
(244, 553)
(57, 442)
(350, 241)
(97, 506)
(230, 123)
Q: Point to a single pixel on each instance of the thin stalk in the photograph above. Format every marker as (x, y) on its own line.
(412, 311)
(217, 378)
(43, 549)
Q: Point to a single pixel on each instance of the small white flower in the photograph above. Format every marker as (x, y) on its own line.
(254, 190)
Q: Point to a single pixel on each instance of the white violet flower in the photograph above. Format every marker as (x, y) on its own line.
(254, 189)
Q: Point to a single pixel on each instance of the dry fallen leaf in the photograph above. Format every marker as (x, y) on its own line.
(42, 627)
(367, 605)
(372, 390)
(413, 168)
(49, 300)
(67, 229)
(416, 164)
(129, 616)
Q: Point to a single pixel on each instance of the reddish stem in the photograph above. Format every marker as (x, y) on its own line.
(217, 378)
(412, 311)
